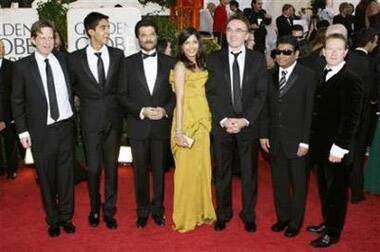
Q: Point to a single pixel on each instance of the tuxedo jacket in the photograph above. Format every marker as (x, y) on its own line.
(283, 26)
(29, 101)
(286, 119)
(134, 95)
(336, 116)
(98, 106)
(254, 91)
(6, 89)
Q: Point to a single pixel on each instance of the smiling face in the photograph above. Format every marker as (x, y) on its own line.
(190, 48)
(147, 38)
(284, 60)
(236, 33)
(44, 41)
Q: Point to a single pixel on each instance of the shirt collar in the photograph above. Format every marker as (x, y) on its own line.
(362, 49)
(92, 50)
(336, 68)
(150, 52)
(242, 50)
(289, 69)
(41, 58)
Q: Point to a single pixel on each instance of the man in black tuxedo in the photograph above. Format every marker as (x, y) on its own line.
(258, 19)
(336, 117)
(284, 22)
(95, 74)
(363, 65)
(284, 133)
(42, 109)
(7, 126)
(236, 91)
(147, 97)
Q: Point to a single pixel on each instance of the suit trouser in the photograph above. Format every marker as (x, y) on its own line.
(149, 153)
(54, 160)
(224, 149)
(333, 181)
(102, 147)
(10, 142)
(289, 187)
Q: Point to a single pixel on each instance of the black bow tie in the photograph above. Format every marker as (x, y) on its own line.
(144, 55)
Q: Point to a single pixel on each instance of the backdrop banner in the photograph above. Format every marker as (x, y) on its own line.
(15, 27)
(122, 25)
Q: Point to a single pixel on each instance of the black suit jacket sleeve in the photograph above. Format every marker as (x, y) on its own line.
(264, 119)
(309, 104)
(18, 98)
(130, 105)
(351, 97)
(260, 89)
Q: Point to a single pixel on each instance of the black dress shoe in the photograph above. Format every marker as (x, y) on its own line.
(93, 219)
(291, 232)
(324, 241)
(219, 225)
(111, 222)
(279, 226)
(68, 227)
(54, 230)
(159, 219)
(141, 222)
(250, 226)
(12, 176)
(316, 229)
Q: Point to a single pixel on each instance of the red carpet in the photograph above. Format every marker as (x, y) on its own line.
(22, 226)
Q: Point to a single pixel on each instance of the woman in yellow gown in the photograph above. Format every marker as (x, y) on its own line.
(192, 122)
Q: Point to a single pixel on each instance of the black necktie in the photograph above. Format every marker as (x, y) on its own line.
(145, 56)
(324, 74)
(101, 73)
(282, 82)
(237, 102)
(54, 111)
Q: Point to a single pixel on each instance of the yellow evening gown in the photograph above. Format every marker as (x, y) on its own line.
(192, 177)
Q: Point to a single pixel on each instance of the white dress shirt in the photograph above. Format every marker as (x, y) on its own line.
(64, 107)
(150, 70)
(334, 69)
(1, 62)
(241, 63)
(92, 60)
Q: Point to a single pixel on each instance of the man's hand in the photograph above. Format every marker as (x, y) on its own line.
(235, 125)
(2, 126)
(264, 143)
(335, 159)
(156, 113)
(302, 151)
(26, 142)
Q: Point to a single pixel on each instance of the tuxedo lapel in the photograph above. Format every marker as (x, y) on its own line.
(159, 73)
(291, 81)
(226, 70)
(86, 68)
(111, 68)
(275, 78)
(36, 75)
(141, 73)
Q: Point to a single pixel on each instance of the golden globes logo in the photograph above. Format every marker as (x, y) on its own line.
(16, 39)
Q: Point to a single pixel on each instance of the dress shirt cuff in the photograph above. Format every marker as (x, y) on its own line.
(24, 134)
(246, 122)
(337, 151)
(222, 122)
(141, 113)
(304, 145)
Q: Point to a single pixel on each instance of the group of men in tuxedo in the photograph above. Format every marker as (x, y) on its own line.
(246, 103)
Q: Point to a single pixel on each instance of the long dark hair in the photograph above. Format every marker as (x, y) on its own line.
(200, 61)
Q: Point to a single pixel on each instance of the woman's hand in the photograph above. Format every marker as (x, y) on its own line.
(180, 140)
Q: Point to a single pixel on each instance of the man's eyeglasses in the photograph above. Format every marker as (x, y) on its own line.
(286, 52)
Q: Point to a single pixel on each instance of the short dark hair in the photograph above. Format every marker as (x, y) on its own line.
(297, 27)
(322, 23)
(92, 20)
(145, 23)
(241, 18)
(234, 3)
(364, 36)
(287, 39)
(336, 36)
(199, 58)
(286, 7)
(38, 25)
